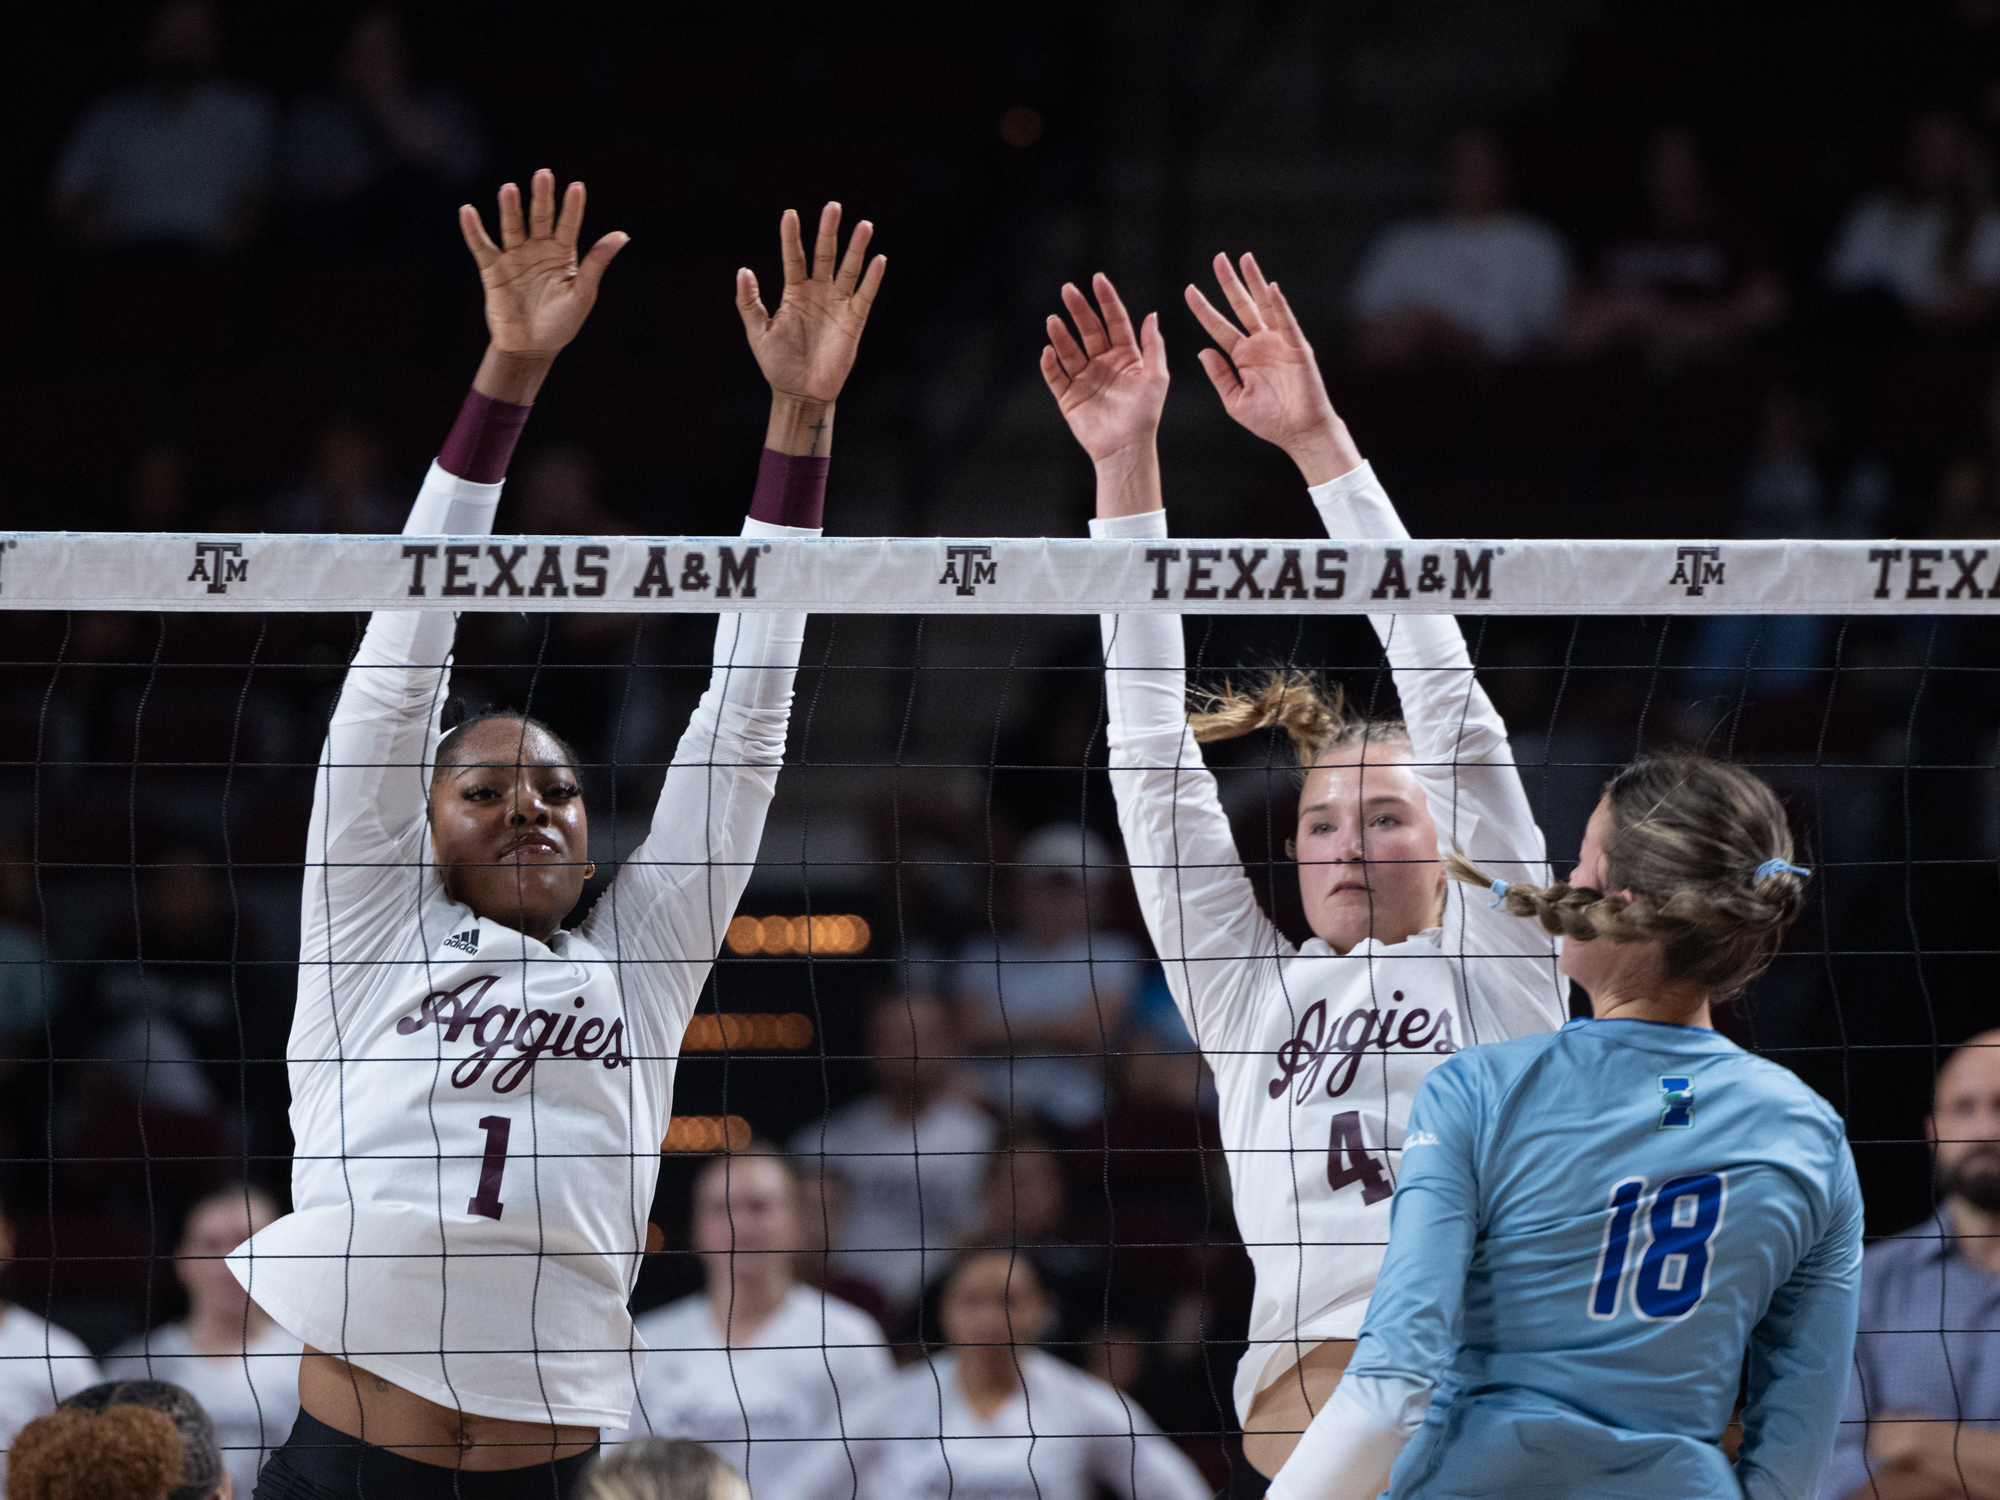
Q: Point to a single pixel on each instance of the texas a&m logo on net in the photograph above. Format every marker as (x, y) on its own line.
(219, 564)
(968, 566)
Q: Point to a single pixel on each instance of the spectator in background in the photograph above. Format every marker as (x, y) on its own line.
(1690, 276)
(657, 1468)
(158, 497)
(997, 1417)
(40, 1364)
(195, 1461)
(166, 1017)
(1783, 496)
(755, 1367)
(1929, 251)
(241, 1366)
(345, 492)
(558, 497)
(1024, 1199)
(185, 158)
(374, 160)
(1925, 1394)
(1968, 507)
(28, 984)
(1046, 997)
(904, 1161)
(1483, 281)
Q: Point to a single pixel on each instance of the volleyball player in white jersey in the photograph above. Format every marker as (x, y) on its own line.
(478, 1096)
(1317, 1050)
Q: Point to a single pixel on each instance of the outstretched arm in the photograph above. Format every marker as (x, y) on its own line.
(665, 914)
(367, 833)
(1213, 938)
(1270, 383)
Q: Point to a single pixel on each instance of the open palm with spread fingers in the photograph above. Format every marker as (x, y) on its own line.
(1266, 374)
(1109, 379)
(806, 347)
(537, 292)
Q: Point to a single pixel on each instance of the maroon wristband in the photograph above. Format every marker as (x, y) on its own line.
(483, 438)
(791, 490)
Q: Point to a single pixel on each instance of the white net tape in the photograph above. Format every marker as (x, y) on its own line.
(995, 575)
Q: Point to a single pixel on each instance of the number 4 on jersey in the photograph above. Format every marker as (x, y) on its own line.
(1347, 1160)
(1680, 1220)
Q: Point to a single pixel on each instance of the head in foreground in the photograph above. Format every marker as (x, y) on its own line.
(657, 1468)
(1686, 870)
(508, 830)
(123, 1440)
(1366, 847)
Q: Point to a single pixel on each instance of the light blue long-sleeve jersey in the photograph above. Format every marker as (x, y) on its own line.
(1591, 1230)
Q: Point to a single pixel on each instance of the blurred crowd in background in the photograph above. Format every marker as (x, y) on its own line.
(1572, 270)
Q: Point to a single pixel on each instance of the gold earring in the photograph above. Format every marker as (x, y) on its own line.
(590, 872)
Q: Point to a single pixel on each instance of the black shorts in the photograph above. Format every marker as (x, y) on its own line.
(318, 1463)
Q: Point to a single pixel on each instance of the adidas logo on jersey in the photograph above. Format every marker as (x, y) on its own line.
(465, 942)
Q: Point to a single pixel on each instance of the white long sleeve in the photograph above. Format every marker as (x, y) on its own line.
(1467, 771)
(665, 915)
(1350, 1444)
(367, 845)
(1219, 949)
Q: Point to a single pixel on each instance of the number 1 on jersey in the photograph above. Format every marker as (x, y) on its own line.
(486, 1202)
(1617, 1247)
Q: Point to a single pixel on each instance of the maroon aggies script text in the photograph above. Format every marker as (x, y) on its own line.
(535, 1037)
(1315, 1042)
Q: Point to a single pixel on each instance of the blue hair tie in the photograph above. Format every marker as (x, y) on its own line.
(1499, 892)
(1772, 867)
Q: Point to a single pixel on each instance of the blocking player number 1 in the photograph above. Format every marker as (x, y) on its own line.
(486, 1202)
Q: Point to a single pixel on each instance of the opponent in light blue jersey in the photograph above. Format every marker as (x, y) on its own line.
(1593, 1229)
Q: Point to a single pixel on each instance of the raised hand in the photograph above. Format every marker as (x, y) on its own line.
(1266, 374)
(1109, 380)
(806, 347)
(537, 292)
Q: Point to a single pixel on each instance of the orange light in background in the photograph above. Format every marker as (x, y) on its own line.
(821, 935)
(790, 1032)
(707, 1133)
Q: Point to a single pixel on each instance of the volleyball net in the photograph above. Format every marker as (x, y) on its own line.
(943, 815)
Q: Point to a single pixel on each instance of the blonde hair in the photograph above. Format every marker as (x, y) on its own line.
(658, 1468)
(121, 1453)
(1697, 842)
(1314, 716)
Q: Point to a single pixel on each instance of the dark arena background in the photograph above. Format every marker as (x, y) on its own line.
(1710, 352)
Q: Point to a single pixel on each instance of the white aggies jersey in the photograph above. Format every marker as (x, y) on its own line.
(478, 1115)
(1317, 1056)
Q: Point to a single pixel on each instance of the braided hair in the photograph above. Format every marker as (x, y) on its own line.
(1704, 848)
